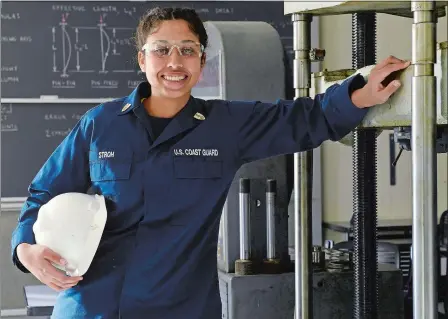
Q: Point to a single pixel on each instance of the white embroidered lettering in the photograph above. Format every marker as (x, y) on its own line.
(195, 152)
(178, 152)
(210, 152)
(106, 154)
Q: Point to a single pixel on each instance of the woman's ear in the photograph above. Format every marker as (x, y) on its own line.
(141, 61)
(203, 59)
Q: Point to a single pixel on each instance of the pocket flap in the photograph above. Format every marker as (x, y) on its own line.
(185, 167)
(109, 171)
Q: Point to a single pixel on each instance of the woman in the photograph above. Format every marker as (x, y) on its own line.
(174, 157)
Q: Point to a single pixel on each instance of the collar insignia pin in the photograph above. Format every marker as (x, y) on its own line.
(125, 107)
(199, 116)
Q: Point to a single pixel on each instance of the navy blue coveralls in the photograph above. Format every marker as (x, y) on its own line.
(158, 255)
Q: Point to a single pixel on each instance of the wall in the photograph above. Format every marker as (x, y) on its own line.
(393, 38)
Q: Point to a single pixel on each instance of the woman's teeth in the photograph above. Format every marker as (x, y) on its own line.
(174, 77)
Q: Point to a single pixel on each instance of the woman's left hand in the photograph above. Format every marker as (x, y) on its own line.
(374, 92)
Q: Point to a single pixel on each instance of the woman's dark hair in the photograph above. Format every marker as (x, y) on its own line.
(153, 17)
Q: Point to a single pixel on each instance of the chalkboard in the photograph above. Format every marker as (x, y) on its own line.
(29, 135)
(85, 49)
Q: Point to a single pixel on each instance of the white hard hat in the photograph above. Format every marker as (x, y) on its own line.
(71, 225)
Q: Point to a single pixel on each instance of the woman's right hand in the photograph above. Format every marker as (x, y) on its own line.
(37, 259)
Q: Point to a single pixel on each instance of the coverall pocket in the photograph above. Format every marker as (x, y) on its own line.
(187, 167)
(109, 170)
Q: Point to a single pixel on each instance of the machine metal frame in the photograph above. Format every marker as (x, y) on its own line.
(423, 144)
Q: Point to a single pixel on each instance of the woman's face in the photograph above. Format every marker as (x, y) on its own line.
(172, 59)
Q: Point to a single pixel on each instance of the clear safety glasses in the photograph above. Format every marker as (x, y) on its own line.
(163, 49)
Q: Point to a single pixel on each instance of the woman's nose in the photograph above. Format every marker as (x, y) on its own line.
(175, 59)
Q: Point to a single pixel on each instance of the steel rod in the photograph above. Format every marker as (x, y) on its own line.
(303, 175)
(244, 219)
(271, 191)
(424, 161)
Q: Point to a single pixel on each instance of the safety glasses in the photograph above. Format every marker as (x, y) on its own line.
(162, 48)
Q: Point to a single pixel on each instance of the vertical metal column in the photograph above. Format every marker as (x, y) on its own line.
(244, 265)
(424, 161)
(303, 176)
(244, 219)
(271, 192)
(272, 264)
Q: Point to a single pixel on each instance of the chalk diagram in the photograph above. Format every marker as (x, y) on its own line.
(76, 48)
